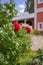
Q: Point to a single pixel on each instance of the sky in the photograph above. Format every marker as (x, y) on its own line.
(20, 5)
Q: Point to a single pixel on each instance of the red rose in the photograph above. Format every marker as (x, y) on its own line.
(16, 26)
(28, 29)
(34, 64)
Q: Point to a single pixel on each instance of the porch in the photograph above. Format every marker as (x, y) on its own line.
(25, 18)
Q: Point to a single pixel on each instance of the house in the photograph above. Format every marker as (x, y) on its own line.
(34, 19)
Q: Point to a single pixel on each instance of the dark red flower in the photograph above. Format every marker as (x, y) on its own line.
(34, 64)
(16, 26)
(28, 29)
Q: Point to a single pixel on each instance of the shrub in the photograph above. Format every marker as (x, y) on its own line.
(36, 32)
(38, 59)
(13, 45)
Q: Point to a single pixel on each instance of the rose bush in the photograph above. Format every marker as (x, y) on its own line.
(14, 46)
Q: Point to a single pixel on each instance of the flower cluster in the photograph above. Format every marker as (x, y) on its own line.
(16, 26)
(28, 29)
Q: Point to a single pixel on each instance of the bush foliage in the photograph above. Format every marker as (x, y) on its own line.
(36, 32)
(14, 46)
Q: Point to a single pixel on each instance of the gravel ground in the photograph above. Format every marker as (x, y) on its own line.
(37, 42)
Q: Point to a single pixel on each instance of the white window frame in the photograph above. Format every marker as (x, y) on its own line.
(40, 2)
(40, 29)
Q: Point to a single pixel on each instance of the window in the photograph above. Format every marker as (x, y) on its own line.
(40, 1)
(40, 26)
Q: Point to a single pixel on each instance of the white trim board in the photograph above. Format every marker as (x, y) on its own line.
(40, 1)
(39, 10)
(35, 8)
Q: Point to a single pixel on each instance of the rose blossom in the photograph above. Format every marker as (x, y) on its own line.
(16, 26)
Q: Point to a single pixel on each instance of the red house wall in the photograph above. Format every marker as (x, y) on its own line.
(40, 17)
(39, 5)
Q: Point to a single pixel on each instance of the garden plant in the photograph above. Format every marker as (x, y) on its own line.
(14, 42)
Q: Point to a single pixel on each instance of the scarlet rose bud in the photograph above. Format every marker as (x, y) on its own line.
(28, 29)
(16, 26)
(34, 64)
